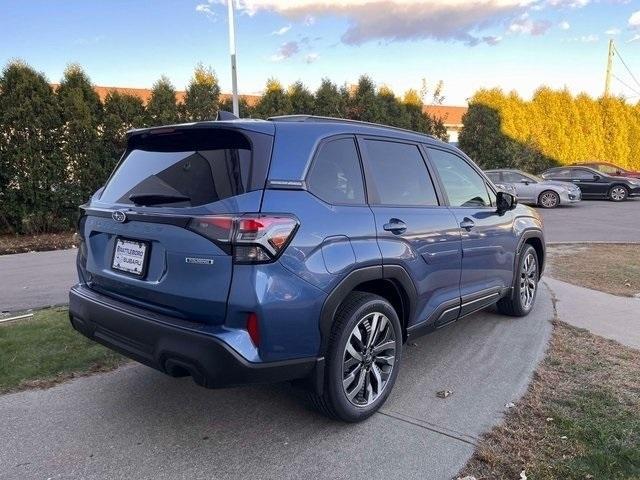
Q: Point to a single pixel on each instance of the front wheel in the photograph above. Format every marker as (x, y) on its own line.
(525, 290)
(549, 199)
(363, 358)
(618, 193)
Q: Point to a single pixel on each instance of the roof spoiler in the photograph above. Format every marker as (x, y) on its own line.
(223, 115)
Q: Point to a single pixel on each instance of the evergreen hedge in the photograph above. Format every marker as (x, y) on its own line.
(553, 128)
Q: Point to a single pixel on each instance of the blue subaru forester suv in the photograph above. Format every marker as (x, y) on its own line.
(297, 248)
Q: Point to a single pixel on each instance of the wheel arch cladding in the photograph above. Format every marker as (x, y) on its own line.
(394, 285)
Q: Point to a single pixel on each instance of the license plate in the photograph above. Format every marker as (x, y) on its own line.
(130, 256)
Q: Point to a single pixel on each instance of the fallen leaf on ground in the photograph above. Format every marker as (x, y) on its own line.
(444, 393)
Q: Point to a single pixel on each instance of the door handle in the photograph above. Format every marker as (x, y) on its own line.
(395, 226)
(467, 224)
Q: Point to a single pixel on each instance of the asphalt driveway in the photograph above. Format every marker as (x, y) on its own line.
(594, 221)
(138, 423)
(36, 280)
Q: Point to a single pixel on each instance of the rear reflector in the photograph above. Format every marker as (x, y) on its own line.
(255, 238)
(252, 328)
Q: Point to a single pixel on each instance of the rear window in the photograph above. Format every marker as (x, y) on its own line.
(188, 168)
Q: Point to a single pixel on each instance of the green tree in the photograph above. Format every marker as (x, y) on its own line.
(162, 108)
(202, 95)
(301, 99)
(83, 149)
(226, 104)
(274, 101)
(364, 104)
(32, 169)
(330, 102)
(122, 112)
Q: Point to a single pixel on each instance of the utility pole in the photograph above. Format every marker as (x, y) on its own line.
(232, 51)
(607, 82)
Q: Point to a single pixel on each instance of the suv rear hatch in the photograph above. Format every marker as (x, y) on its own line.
(142, 241)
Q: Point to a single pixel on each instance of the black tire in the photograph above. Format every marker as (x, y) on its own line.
(618, 193)
(515, 304)
(356, 309)
(548, 199)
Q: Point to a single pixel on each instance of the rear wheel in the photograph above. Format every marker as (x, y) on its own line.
(363, 358)
(525, 290)
(549, 199)
(618, 193)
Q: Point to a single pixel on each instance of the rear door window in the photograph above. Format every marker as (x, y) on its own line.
(336, 176)
(186, 171)
(399, 173)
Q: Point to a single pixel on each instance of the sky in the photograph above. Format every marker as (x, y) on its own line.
(513, 44)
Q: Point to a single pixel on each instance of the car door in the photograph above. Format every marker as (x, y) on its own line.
(589, 181)
(488, 238)
(414, 230)
(524, 186)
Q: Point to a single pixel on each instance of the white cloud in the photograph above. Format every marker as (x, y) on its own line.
(401, 20)
(586, 38)
(564, 25)
(492, 40)
(205, 8)
(612, 31)
(528, 26)
(312, 57)
(309, 20)
(282, 30)
(635, 38)
(634, 19)
(286, 50)
(569, 3)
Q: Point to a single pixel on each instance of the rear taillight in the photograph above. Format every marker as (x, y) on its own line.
(253, 238)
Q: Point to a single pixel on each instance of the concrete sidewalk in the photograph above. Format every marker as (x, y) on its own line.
(609, 316)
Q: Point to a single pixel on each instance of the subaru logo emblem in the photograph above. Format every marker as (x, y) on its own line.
(119, 216)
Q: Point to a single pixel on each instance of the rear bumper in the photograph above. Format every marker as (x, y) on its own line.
(173, 346)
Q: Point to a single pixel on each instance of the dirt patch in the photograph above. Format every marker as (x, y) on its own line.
(580, 418)
(609, 268)
(36, 243)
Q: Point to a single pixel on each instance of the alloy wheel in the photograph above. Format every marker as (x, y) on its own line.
(549, 200)
(369, 358)
(618, 193)
(528, 280)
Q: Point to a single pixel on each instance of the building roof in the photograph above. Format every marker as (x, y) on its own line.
(450, 115)
(144, 94)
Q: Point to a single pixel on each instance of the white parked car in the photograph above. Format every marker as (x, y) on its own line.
(535, 190)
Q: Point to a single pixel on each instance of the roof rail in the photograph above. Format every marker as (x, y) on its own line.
(319, 118)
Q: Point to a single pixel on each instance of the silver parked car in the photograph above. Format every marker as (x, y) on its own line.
(535, 190)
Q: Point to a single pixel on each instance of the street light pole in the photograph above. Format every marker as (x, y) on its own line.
(232, 51)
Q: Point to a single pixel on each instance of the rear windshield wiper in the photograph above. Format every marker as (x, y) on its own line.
(157, 198)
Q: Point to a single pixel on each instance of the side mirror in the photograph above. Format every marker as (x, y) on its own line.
(505, 201)
(596, 178)
(526, 182)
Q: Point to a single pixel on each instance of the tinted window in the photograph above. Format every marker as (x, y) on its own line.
(560, 173)
(399, 174)
(464, 186)
(335, 174)
(494, 176)
(579, 173)
(514, 177)
(183, 169)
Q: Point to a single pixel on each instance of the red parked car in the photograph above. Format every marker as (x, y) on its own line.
(610, 169)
